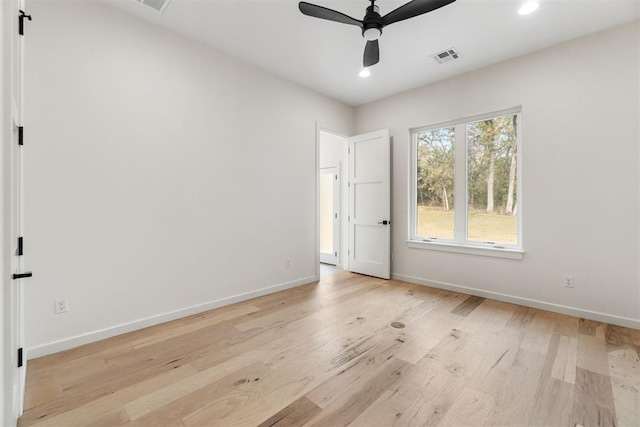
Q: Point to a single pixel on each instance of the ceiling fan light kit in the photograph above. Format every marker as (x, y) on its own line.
(373, 23)
(372, 34)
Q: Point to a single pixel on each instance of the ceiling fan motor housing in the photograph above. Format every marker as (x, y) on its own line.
(372, 27)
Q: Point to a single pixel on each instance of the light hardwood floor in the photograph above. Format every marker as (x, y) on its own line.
(325, 354)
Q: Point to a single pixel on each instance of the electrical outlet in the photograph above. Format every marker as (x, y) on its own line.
(62, 305)
(568, 281)
(287, 263)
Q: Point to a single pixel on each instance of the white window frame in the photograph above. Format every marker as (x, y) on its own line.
(460, 244)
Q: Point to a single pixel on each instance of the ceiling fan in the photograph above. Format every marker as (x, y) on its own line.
(373, 23)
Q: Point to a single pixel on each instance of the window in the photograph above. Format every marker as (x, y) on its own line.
(466, 187)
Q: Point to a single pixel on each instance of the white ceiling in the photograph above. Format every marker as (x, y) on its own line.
(327, 56)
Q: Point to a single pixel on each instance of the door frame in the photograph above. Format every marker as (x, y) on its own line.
(343, 259)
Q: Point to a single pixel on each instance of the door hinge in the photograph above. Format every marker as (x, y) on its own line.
(335, 215)
(20, 250)
(20, 361)
(336, 175)
(20, 135)
(349, 185)
(349, 218)
(335, 254)
(21, 22)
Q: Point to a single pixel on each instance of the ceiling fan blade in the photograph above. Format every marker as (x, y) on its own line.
(371, 53)
(328, 14)
(413, 8)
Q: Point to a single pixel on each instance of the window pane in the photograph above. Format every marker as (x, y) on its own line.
(492, 180)
(435, 171)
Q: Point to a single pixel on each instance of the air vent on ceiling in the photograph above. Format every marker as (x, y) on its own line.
(159, 5)
(446, 55)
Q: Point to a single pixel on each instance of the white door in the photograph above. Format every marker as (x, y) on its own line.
(329, 215)
(370, 204)
(18, 276)
(15, 152)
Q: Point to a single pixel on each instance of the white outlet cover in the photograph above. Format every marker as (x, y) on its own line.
(61, 305)
(568, 282)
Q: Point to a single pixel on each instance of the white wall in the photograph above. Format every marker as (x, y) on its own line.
(162, 177)
(580, 175)
(333, 148)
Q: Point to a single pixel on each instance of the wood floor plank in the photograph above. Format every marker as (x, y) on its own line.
(233, 410)
(386, 410)
(471, 409)
(553, 403)
(353, 366)
(178, 389)
(457, 353)
(221, 396)
(467, 306)
(592, 354)
(294, 414)
(84, 394)
(326, 354)
(44, 388)
(203, 322)
(566, 325)
(539, 332)
(564, 364)
(495, 362)
(488, 318)
(105, 406)
(624, 371)
(431, 390)
(635, 337)
(514, 404)
(593, 402)
(116, 417)
(521, 318)
(591, 327)
(354, 401)
(308, 307)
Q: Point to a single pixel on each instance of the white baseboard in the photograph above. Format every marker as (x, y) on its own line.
(78, 340)
(556, 308)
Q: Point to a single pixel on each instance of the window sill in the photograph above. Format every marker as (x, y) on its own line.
(517, 254)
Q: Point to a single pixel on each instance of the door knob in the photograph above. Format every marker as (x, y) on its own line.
(385, 222)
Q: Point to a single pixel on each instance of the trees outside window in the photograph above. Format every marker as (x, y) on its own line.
(465, 185)
(435, 167)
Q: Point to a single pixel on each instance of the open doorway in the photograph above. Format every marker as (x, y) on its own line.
(332, 152)
(354, 203)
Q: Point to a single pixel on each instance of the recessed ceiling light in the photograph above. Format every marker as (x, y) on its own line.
(365, 72)
(528, 7)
